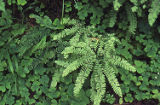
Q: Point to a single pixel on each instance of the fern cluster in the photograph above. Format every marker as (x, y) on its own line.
(91, 54)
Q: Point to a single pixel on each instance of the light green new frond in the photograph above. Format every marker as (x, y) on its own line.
(81, 44)
(100, 51)
(67, 51)
(154, 11)
(93, 86)
(84, 73)
(98, 86)
(80, 51)
(109, 46)
(110, 74)
(118, 61)
(74, 40)
(69, 21)
(73, 66)
(64, 33)
(62, 63)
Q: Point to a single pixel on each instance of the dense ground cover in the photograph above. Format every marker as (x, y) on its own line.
(79, 52)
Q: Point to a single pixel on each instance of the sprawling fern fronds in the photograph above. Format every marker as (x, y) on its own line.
(89, 52)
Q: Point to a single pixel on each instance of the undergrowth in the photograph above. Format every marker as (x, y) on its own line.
(48, 58)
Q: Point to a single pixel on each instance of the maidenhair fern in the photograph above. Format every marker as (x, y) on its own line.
(91, 53)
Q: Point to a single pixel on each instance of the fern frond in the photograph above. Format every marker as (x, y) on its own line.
(84, 73)
(62, 63)
(73, 66)
(74, 40)
(64, 33)
(132, 19)
(68, 21)
(118, 61)
(98, 85)
(67, 51)
(110, 74)
(154, 11)
(113, 18)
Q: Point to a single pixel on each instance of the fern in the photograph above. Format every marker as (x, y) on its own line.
(111, 18)
(132, 19)
(154, 11)
(93, 54)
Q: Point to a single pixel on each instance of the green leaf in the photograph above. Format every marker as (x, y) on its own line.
(138, 63)
(2, 88)
(54, 102)
(21, 2)
(121, 101)
(2, 6)
(10, 63)
(116, 5)
(128, 98)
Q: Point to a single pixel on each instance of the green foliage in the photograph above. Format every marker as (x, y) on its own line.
(47, 22)
(132, 20)
(128, 98)
(89, 52)
(45, 62)
(103, 13)
(154, 11)
(68, 6)
(109, 99)
(21, 2)
(147, 65)
(2, 5)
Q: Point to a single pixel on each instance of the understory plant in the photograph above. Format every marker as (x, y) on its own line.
(94, 56)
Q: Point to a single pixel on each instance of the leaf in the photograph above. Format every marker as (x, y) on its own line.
(44, 21)
(121, 101)
(138, 63)
(128, 98)
(2, 6)
(10, 63)
(116, 5)
(21, 2)
(54, 102)
(2, 88)
(16, 63)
